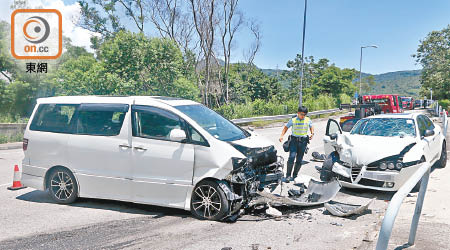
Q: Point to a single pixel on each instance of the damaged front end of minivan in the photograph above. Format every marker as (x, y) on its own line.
(256, 180)
(251, 175)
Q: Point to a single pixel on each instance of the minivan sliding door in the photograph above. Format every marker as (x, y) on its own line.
(99, 151)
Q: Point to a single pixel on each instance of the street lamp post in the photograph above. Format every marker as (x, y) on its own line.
(300, 97)
(360, 64)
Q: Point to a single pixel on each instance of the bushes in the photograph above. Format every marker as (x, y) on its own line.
(445, 103)
(261, 107)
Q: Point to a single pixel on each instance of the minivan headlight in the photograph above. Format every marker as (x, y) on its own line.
(398, 166)
(238, 162)
(383, 166)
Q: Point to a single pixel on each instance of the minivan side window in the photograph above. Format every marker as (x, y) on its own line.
(102, 119)
(154, 123)
(55, 118)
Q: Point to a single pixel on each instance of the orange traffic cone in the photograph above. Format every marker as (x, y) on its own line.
(16, 181)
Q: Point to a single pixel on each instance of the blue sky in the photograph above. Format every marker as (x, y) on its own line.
(335, 30)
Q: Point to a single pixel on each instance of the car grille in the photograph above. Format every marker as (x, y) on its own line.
(355, 171)
(371, 183)
(372, 168)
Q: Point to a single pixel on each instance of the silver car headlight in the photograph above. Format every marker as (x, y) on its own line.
(391, 165)
(383, 166)
(398, 166)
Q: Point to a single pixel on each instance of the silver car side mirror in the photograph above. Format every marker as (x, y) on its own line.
(428, 132)
(333, 136)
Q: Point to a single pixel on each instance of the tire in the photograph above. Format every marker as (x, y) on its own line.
(62, 186)
(208, 201)
(443, 159)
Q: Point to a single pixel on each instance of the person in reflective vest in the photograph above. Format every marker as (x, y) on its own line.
(299, 140)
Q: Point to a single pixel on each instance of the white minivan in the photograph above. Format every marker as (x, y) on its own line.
(152, 150)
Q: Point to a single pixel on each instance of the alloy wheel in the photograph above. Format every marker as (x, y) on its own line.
(206, 201)
(61, 186)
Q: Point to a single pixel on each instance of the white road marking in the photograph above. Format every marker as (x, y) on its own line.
(4, 184)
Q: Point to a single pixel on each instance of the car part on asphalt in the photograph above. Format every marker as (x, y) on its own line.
(344, 210)
(318, 157)
(317, 193)
(273, 212)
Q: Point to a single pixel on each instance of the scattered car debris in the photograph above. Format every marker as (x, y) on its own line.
(273, 212)
(316, 193)
(318, 157)
(336, 224)
(344, 210)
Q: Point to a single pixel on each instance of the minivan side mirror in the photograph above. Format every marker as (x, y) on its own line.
(429, 132)
(177, 135)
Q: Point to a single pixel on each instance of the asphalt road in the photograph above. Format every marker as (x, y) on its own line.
(30, 220)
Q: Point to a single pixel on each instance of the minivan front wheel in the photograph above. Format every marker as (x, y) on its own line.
(209, 201)
(62, 186)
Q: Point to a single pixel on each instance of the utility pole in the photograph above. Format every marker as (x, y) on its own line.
(360, 64)
(300, 98)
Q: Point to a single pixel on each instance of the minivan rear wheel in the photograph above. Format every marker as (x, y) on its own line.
(62, 186)
(208, 201)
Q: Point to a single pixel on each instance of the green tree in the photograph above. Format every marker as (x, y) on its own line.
(434, 56)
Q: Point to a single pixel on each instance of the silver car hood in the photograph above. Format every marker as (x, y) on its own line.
(363, 150)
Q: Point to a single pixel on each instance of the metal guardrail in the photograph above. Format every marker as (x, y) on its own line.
(422, 174)
(280, 117)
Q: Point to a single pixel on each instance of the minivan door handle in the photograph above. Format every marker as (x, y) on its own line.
(140, 148)
(124, 146)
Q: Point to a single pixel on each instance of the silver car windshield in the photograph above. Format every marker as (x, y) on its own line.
(215, 124)
(388, 127)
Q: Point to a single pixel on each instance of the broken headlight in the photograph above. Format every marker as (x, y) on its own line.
(238, 162)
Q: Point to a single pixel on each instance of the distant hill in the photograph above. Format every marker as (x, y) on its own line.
(405, 82)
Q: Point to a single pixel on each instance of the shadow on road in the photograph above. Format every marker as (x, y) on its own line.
(118, 206)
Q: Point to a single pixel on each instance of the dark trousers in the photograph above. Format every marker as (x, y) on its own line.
(296, 151)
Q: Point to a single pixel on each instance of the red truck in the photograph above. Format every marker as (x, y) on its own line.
(371, 104)
(388, 103)
(408, 102)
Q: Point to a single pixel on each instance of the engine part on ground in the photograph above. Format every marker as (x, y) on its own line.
(344, 210)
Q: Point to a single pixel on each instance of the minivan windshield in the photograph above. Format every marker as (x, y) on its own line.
(388, 127)
(215, 124)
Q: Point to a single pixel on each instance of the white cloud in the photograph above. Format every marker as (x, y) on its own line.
(70, 14)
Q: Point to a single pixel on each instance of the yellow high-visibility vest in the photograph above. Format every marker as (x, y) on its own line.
(300, 127)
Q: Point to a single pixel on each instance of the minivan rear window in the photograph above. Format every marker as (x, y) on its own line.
(54, 118)
(100, 119)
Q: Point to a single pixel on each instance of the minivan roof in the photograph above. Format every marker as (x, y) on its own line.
(172, 101)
